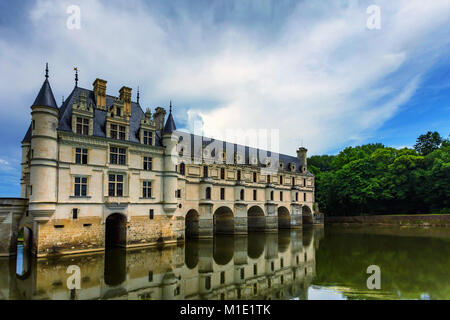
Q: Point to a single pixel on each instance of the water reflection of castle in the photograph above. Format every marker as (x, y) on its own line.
(255, 266)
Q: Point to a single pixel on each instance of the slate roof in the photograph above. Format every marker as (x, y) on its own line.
(45, 96)
(170, 124)
(65, 124)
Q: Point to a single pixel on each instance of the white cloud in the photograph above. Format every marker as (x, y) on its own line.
(322, 77)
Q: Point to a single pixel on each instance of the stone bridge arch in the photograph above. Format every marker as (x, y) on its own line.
(116, 230)
(223, 220)
(284, 218)
(307, 215)
(256, 220)
(191, 222)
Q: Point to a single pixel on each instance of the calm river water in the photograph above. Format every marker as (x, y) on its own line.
(316, 263)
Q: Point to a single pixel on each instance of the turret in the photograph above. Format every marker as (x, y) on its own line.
(301, 155)
(170, 140)
(44, 153)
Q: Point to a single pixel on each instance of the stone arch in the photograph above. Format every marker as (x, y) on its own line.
(24, 249)
(307, 217)
(223, 220)
(284, 218)
(256, 221)
(116, 230)
(191, 224)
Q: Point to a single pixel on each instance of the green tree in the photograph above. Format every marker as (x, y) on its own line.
(427, 143)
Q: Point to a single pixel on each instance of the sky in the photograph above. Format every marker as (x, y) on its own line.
(315, 72)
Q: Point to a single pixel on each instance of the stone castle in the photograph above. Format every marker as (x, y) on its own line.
(98, 171)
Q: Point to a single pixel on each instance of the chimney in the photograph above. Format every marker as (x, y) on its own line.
(100, 93)
(158, 117)
(125, 97)
(301, 155)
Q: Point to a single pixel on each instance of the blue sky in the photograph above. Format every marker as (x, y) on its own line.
(310, 69)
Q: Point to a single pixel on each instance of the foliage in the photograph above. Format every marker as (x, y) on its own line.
(374, 179)
(428, 142)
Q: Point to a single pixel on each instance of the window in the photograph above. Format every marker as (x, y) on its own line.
(268, 179)
(150, 276)
(255, 288)
(118, 155)
(293, 181)
(239, 175)
(205, 171)
(208, 282)
(80, 186)
(254, 176)
(82, 126)
(272, 266)
(31, 190)
(281, 263)
(254, 195)
(81, 156)
(271, 195)
(242, 194)
(304, 196)
(118, 132)
(222, 193)
(34, 124)
(150, 214)
(208, 193)
(148, 137)
(222, 173)
(281, 179)
(74, 213)
(296, 196)
(222, 277)
(118, 112)
(242, 273)
(115, 186)
(148, 163)
(255, 269)
(178, 193)
(146, 189)
(182, 169)
(281, 195)
(304, 182)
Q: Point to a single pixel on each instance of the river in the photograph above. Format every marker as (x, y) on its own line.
(316, 263)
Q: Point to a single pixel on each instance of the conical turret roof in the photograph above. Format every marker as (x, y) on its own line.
(45, 96)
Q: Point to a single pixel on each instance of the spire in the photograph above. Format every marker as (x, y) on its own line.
(170, 123)
(76, 76)
(45, 96)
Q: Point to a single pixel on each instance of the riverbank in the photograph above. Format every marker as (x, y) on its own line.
(435, 220)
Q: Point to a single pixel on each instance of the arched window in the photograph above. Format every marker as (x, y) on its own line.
(208, 193)
(242, 194)
(182, 168)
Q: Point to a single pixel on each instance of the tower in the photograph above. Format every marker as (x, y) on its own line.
(169, 140)
(301, 155)
(44, 154)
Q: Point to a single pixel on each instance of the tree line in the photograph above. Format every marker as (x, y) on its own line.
(375, 179)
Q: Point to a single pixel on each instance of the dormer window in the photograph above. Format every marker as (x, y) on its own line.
(281, 165)
(118, 112)
(118, 132)
(148, 137)
(82, 126)
(292, 166)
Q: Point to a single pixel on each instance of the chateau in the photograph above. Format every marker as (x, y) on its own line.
(98, 171)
